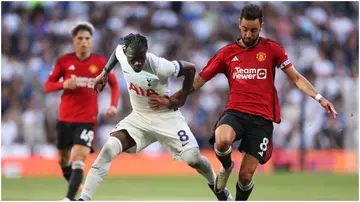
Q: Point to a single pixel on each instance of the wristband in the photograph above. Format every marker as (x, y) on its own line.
(318, 97)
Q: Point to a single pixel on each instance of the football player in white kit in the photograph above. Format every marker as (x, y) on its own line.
(153, 118)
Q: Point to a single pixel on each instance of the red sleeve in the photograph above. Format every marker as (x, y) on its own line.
(114, 89)
(213, 67)
(282, 60)
(52, 84)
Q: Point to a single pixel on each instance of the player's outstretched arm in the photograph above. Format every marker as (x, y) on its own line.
(102, 78)
(198, 83)
(305, 86)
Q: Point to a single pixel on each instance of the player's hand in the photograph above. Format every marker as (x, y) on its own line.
(111, 112)
(69, 84)
(328, 106)
(100, 82)
(157, 102)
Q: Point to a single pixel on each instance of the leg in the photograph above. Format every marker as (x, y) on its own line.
(202, 165)
(257, 146)
(64, 145)
(78, 157)
(224, 137)
(118, 141)
(64, 162)
(245, 183)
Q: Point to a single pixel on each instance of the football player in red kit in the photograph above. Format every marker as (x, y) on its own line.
(78, 108)
(249, 64)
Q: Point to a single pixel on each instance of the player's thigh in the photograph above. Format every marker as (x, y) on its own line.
(64, 136)
(229, 128)
(126, 140)
(138, 130)
(84, 137)
(258, 140)
(175, 136)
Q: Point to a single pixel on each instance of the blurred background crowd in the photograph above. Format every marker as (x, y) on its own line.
(321, 39)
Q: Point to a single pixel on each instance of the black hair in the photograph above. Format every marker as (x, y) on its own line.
(135, 41)
(252, 12)
(83, 26)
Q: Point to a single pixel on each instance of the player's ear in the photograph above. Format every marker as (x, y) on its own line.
(262, 25)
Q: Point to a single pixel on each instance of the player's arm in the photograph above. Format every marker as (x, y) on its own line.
(187, 70)
(115, 94)
(305, 86)
(101, 79)
(53, 84)
(214, 66)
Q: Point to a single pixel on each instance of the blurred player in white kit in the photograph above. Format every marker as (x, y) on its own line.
(153, 118)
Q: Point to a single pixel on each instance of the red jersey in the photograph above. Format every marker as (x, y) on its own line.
(80, 104)
(251, 76)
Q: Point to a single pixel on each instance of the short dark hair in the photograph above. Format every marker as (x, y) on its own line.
(82, 26)
(135, 41)
(252, 12)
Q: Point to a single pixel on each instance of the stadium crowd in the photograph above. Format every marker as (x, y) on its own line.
(321, 39)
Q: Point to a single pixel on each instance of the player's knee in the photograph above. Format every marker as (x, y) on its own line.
(192, 157)
(78, 164)
(245, 177)
(111, 148)
(223, 145)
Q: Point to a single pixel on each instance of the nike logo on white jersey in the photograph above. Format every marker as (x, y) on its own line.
(72, 67)
(234, 59)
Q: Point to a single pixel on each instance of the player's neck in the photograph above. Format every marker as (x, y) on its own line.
(242, 44)
(82, 56)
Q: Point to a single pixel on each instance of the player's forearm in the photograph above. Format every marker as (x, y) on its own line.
(114, 90)
(189, 74)
(53, 86)
(305, 86)
(111, 62)
(188, 71)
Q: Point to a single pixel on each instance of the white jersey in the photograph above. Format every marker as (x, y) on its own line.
(150, 82)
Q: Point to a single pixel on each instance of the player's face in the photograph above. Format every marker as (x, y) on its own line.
(250, 31)
(136, 58)
(83, 42)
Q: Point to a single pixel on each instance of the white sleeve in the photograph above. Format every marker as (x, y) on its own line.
(168, 68)
(119, 52)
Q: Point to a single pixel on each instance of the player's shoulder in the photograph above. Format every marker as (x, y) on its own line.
(228, 47)
(271, 43)
(67, 56)
(97, 56)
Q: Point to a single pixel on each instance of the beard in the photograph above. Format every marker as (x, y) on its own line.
(249, 42)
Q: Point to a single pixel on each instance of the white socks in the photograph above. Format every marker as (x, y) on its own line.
(100, 168)
(206, 170)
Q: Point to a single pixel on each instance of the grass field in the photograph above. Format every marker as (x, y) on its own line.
(279, 186)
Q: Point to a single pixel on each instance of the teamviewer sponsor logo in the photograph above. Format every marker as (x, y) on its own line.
(249, 73)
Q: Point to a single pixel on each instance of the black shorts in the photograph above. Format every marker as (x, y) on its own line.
(255, 133)
(70, 133)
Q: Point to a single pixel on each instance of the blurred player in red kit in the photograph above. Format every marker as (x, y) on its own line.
(249, 64)
(78, 108)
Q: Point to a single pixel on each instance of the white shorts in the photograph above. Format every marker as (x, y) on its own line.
(170, 129)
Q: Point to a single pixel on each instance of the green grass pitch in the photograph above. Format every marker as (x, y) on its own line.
(278, 186)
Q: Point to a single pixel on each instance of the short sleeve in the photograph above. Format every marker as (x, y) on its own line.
(166, 68)
(282, 59)
(213, 67)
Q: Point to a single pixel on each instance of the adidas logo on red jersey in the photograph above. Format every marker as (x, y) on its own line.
(234, 59)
